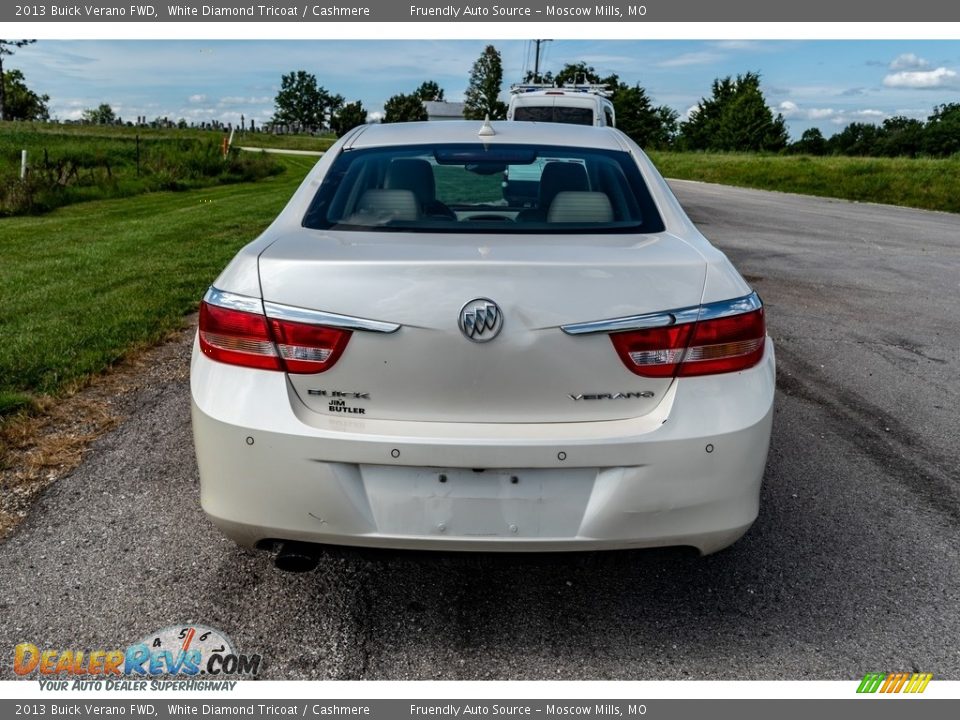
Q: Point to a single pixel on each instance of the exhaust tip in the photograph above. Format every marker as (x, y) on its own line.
(297, 557)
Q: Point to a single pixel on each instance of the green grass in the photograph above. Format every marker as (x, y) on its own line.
(922, 183)
(77, 163)
(286, 142)
(86, 284)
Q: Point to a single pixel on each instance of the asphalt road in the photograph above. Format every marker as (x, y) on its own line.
(852, 567)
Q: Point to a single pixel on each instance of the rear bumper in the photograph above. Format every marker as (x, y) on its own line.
(688, 473)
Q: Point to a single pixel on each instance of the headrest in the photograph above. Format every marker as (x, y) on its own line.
(378, 207)
(580, 207)
(560, 176)
(412, 174)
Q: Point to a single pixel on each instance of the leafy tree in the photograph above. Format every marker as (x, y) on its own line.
(429, 91)
(22, 103)
(483, 92)
(348, 117)
(812, 142)
(404, 108)
(648, 126)
(735, 117)
(546, 77)
(575, 73)
(101, 115)
(580, 73)
(901, 136)
(8, 47)
(856, 139)
(304, 103)
(408, 108)
(941, 136)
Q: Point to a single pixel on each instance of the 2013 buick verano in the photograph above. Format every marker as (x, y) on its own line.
(407, 358)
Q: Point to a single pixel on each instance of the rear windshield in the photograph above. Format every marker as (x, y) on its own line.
(477, 188)
(555, 113)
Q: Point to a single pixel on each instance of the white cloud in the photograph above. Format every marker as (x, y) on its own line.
(691, 58)
(736, 44)
(233, 100)
(908, 61)
(375, 117)
(868, 115)
(791, 111)
(922, 79)
(197, 99)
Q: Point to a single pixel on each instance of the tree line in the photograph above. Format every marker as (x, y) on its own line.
(898, 136)
(735, 117)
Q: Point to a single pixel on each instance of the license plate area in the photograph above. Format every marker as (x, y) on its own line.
(457, 502)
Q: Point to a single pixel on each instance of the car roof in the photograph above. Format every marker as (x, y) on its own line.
(467, 131)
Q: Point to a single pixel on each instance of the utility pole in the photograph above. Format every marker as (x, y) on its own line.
(536, 60)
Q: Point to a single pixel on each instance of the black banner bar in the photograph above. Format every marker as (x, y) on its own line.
(480, 11)
(508, 709)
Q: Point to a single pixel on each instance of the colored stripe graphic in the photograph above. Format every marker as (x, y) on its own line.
(888, 683)
(870, 683)
(918, 683)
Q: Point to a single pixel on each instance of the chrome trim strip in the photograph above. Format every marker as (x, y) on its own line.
(710, 311)
(633, 322)
(738, 306)
(319, 317)
(245, 303)
(232, 301)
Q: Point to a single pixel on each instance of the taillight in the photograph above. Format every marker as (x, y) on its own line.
(709, 346)
(308, 348)
(655, 352)
(236, 337)
(726, 344)
(250, 339)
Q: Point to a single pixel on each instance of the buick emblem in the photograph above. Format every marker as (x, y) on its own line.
(480, 320)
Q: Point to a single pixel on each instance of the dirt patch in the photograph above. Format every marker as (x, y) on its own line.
(38, 449)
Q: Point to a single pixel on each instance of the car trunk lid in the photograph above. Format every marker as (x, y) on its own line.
(429, 370)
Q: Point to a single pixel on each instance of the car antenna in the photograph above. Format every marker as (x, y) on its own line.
(486, 130)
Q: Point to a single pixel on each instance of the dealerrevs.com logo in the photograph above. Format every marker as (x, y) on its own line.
(183, 651)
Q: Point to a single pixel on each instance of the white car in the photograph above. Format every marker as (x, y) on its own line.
(405, 360)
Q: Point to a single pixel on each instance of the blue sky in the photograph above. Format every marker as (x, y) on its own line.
(822, 83)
